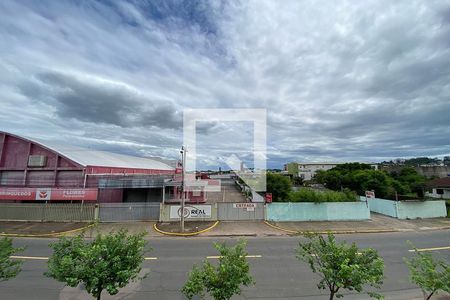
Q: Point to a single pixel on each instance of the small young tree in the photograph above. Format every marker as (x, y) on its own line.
(430, 275)
(221, 281)
(341, 266)
(109, 263)
(9, 268)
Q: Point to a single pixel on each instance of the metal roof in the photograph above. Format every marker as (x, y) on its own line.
(440, 183)
(88, 157)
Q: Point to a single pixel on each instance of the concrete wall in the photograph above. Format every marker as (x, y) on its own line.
(383, 206)
(408, 209)
(330, 211)
(421, 209)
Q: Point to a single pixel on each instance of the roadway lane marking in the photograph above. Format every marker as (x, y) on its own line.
(150, 258)
(29, 257)
(430, 249)
(247, 256)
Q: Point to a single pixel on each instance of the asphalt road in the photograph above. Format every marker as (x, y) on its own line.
(278, 274)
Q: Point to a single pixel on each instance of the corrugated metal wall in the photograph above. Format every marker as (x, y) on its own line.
(137, 211)
(53, 212)
(226, 212)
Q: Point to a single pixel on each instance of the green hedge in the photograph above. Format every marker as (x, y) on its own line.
(310, 195)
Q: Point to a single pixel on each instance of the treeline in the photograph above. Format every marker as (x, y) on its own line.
(361, 177)
(281, 189)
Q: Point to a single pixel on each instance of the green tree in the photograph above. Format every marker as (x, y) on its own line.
(280, 186)
(415, 182)
(224, 280)
(9, 268)
(341, 266)
(430, 275)
(109, 263)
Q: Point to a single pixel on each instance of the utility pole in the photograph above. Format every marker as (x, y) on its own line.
(183, 162)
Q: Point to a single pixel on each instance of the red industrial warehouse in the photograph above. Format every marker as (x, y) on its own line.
(32, 170)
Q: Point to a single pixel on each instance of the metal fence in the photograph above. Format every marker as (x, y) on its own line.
(132, 211)
(51, 212)
(228, 212)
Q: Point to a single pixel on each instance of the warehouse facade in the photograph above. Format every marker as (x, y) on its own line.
(35, 171)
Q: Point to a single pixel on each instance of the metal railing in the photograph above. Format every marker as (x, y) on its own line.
(48, 212)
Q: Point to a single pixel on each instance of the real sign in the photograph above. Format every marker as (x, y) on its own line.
(191, 211)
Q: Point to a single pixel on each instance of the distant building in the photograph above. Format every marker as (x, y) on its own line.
(439, 188)
(307, 171)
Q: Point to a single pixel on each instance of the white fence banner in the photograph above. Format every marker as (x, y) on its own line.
(247, 206)
(191, 211)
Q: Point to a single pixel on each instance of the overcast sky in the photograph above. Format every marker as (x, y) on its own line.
(341, 80)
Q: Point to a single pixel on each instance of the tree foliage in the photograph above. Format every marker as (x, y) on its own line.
(9, 268)
(430, 275)
(310, 195)
(224, 280)
(280, 186)
(109, 263)
(361, 177)
(341, 266)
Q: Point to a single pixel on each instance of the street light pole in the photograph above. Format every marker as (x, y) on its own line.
(183, 162)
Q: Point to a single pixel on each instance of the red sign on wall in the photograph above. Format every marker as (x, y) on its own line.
(48, 194)
(17, 194)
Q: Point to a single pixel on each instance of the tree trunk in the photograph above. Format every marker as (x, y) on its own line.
(99, 295)
(429, 296)
(331, 295)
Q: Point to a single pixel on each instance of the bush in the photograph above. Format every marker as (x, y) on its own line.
(224, 280)
(310, 195)
(429, 274)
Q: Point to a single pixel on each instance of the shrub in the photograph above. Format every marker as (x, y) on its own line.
(310, 195)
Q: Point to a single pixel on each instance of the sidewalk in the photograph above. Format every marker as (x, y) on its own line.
(378, 223)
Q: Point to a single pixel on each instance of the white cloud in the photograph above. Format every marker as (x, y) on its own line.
(340, 80)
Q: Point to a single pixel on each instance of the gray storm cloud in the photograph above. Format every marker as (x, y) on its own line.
(341, 80)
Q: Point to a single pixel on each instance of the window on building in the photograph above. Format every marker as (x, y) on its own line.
(440, 191)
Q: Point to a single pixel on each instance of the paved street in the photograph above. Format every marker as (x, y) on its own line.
(277, 273)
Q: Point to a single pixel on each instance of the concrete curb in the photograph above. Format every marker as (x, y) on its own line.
(44, 235)
(184, 234)
(331, 231)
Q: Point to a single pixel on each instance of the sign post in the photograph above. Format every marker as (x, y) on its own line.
(268, 197)
(369, 194)
(183, 161)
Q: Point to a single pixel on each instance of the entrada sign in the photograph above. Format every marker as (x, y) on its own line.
(191, 211)
(244, 205)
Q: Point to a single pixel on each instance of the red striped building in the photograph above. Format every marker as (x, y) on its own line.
(32, 170)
